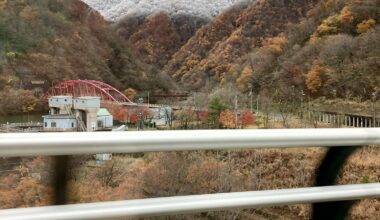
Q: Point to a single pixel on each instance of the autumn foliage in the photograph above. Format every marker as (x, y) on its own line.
(314, 78)
(227, 119)
(133, 118)
(203, 116)
(53, 40)
(153, 175)
(365, 25)
(155, 38)
(218, 46)
(130, 93)
(247, 118)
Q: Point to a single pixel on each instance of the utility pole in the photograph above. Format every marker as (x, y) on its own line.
(251, 95)
(302, 108)
(257, 105)
(139, 115)
(194, 103)
(374, 108)
(148, 99)
(236, 111)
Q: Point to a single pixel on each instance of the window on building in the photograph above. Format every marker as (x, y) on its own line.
(72, 124)
(45, 124)
(53, 124)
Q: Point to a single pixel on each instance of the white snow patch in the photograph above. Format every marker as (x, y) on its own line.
(115, 9)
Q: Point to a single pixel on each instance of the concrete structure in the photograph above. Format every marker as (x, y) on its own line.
(87, 102)
(86, 110)
(59, 105)
(79, 114)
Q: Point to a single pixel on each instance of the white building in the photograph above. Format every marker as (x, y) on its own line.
(59, 105)
(60, 123)
(79, 114)
(105, 119)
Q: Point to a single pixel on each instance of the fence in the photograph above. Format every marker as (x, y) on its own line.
(21, 127)
(154, 141)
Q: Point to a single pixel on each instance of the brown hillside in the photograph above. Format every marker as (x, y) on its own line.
(216, 47)
(154, 39)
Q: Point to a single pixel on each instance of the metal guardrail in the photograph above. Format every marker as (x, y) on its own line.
(31, 144)
(152, 141)
(189, 204)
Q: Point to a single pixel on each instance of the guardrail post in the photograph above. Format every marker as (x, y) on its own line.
(327, 175)
(60, 179)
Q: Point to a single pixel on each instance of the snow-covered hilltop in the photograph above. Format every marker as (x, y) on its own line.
(115, 9)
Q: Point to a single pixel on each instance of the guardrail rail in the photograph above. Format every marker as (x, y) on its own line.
(329, 201)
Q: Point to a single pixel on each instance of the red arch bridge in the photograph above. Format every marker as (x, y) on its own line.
(80, 88)
(107, 93)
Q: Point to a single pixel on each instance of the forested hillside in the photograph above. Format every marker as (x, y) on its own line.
(320, 48)
(333, 52)
(155, 38)
(54, 40)
(283, 48)
(214, 52)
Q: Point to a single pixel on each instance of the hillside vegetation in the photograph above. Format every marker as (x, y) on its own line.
(155, 38)
(319, 48)
(54, 40)
(191, 173)
(214, 52)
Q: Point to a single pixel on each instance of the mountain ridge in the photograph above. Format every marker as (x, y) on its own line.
(117, 9)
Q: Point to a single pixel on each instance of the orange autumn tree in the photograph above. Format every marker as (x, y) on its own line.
(276, 44)
(244, 79)
(130, 93)
(314, 77)
(365, 25)
(346, 16)
(227, 119)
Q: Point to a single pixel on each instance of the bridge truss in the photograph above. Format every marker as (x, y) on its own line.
(80, 88)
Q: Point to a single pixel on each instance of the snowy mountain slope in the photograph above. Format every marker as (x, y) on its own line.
(115, 9)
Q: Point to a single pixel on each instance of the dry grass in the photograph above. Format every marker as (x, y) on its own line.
(259, 169)
(133, 176)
